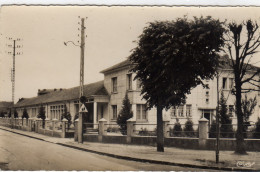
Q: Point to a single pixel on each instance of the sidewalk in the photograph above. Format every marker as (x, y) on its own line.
(171, 156)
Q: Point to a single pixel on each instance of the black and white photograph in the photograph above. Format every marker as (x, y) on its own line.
(129, 88)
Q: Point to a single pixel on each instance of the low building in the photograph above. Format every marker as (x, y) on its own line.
(104, 99)
(5, 108)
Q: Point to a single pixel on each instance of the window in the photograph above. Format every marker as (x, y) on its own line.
(57, 111)
(230, 110)
(188, 110)
(207, 93)
(231, 83)
(129, 81)
(141, 112)
(114, 109)
(180, 111)
(173, 112)
(207, 100)
(114, 85)
(138, 84)
(224, 83)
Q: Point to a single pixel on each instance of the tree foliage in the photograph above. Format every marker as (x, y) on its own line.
(124, 114)
(226, 128)
(172, 57)
(242, 42)
(248, 106)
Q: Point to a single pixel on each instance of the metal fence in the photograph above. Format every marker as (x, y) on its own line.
(183, 130)
(230, 130)
(145, 129)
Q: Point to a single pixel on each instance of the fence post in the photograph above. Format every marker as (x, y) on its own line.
(30, 124)
(53, 125)
(102, 129)
(166, 127)
(203, 132)
(130, 130)
(64, 127)
(76, 130)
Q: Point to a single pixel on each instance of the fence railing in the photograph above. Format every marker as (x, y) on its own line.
(183, 130)
(115, 129)
(230, 130)
(145, 129)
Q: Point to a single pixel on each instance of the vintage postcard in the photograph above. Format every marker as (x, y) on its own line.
(129, 88)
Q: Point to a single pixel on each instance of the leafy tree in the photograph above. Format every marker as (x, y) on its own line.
(256, 133)
(242, 42)
(41, 115)
(188, 129)
(124, 114)
(226, 128)
(172, 57)
(15, 113)
(213, 130)
(66, 115)
(248, 106)
(25, 113)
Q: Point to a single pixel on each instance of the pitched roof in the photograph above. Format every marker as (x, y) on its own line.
(96, 88)
(5, 105)
(120, 65)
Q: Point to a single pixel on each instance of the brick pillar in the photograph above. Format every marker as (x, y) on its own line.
(203, 132)
(76, 130)
(80, 128)
(130, 130)
(64, 121)
(102, 130)
(53, 125)
(166, 128)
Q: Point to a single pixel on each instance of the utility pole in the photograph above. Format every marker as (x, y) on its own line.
(13, 73)
(82, 48)
(14, 53)
(217, 122)
(81, 88)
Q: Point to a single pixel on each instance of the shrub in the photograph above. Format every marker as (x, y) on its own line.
(42, 115)
(66, 115)
(125, 114)
(15, 114)
(177, 130)
(212, 130)
(25, 114)
(189, 131)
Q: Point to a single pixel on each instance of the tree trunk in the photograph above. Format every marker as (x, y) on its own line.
(160, 136)
(240, 142)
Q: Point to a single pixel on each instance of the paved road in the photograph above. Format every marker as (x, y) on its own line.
(22, 153)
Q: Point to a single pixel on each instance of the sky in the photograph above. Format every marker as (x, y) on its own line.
(111, 31)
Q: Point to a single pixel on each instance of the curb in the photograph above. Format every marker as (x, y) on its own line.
(138, 159)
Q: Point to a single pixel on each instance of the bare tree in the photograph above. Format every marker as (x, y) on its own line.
(243, 40)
